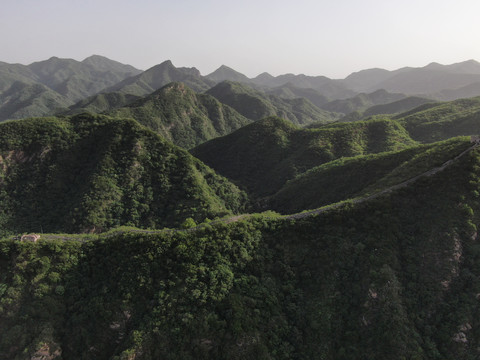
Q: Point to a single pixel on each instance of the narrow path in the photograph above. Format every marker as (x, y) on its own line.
(384, 191)
(292, 216)
(328, 207)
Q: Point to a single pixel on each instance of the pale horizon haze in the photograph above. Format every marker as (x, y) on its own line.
(330, 38)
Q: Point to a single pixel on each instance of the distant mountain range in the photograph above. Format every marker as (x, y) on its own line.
(44, 87)
(98, 84)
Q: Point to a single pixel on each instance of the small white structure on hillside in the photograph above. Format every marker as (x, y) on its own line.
(30, 237)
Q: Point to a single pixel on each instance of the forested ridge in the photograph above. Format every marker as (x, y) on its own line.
(162, 214)
(365, 281)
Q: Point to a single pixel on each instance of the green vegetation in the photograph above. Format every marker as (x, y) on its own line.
(183, 117)
(100, 103)
(92, 172)
(159, 76)
(23, 100)
(399, 106)
(347, 178)
(141, 251)
(44, 88)
(322, 287)
(225, 73)
(262, 156)
(76, 80)
(434, 122)
(361, 102)
(289, 91)
(256, 105)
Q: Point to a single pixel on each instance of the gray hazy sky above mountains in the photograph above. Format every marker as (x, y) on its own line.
(314, 37)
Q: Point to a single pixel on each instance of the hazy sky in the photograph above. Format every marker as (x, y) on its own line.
(314, 37)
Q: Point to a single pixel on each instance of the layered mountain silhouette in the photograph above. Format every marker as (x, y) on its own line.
(45, 87)
(92, 172)
(224, 73)
(261, 157)
(182, 116)
(75, 86)
(160, 75)
(311, 218)
(429, 79)
(255, 104)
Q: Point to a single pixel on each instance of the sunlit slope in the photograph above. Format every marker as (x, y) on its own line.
(396, 277)
(262, 156)
(91, 172)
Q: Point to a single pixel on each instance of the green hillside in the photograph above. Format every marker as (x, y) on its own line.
(392, 278)
(362, 101)
(183, 117)
(100, 103)
(76, 80)
(332, 89)
(91, 172)
(45, 87)
(256, 105)
(23, 100)
(159, 76)
(225, 73)
(399, 106)
(11, 73)
(350, 177)
(101, 63)
(404, 105)
(434, 122)
(262, 156)
(116, 243)
(289, 91)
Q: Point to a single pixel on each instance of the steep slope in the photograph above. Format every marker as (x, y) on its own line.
(43, 87)
(23, 100)
(262, 156)
(101, 63)
(225, 73)
(289, 91)
(11, 73)
(434, 122)
(76, 80)
(100, 103)
(362, 101)
(333, 89)
(399, 106)
(395, 107)
(358, 176)
(255, 104)
(91, 172)
(183, 117)
(321, 287)
(159, 76)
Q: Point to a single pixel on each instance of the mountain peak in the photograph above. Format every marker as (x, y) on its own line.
(264, 76)
(224, 67)
(434, 65)
(95, 57)
(226, 73)
(167, 63)
(103, 63)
